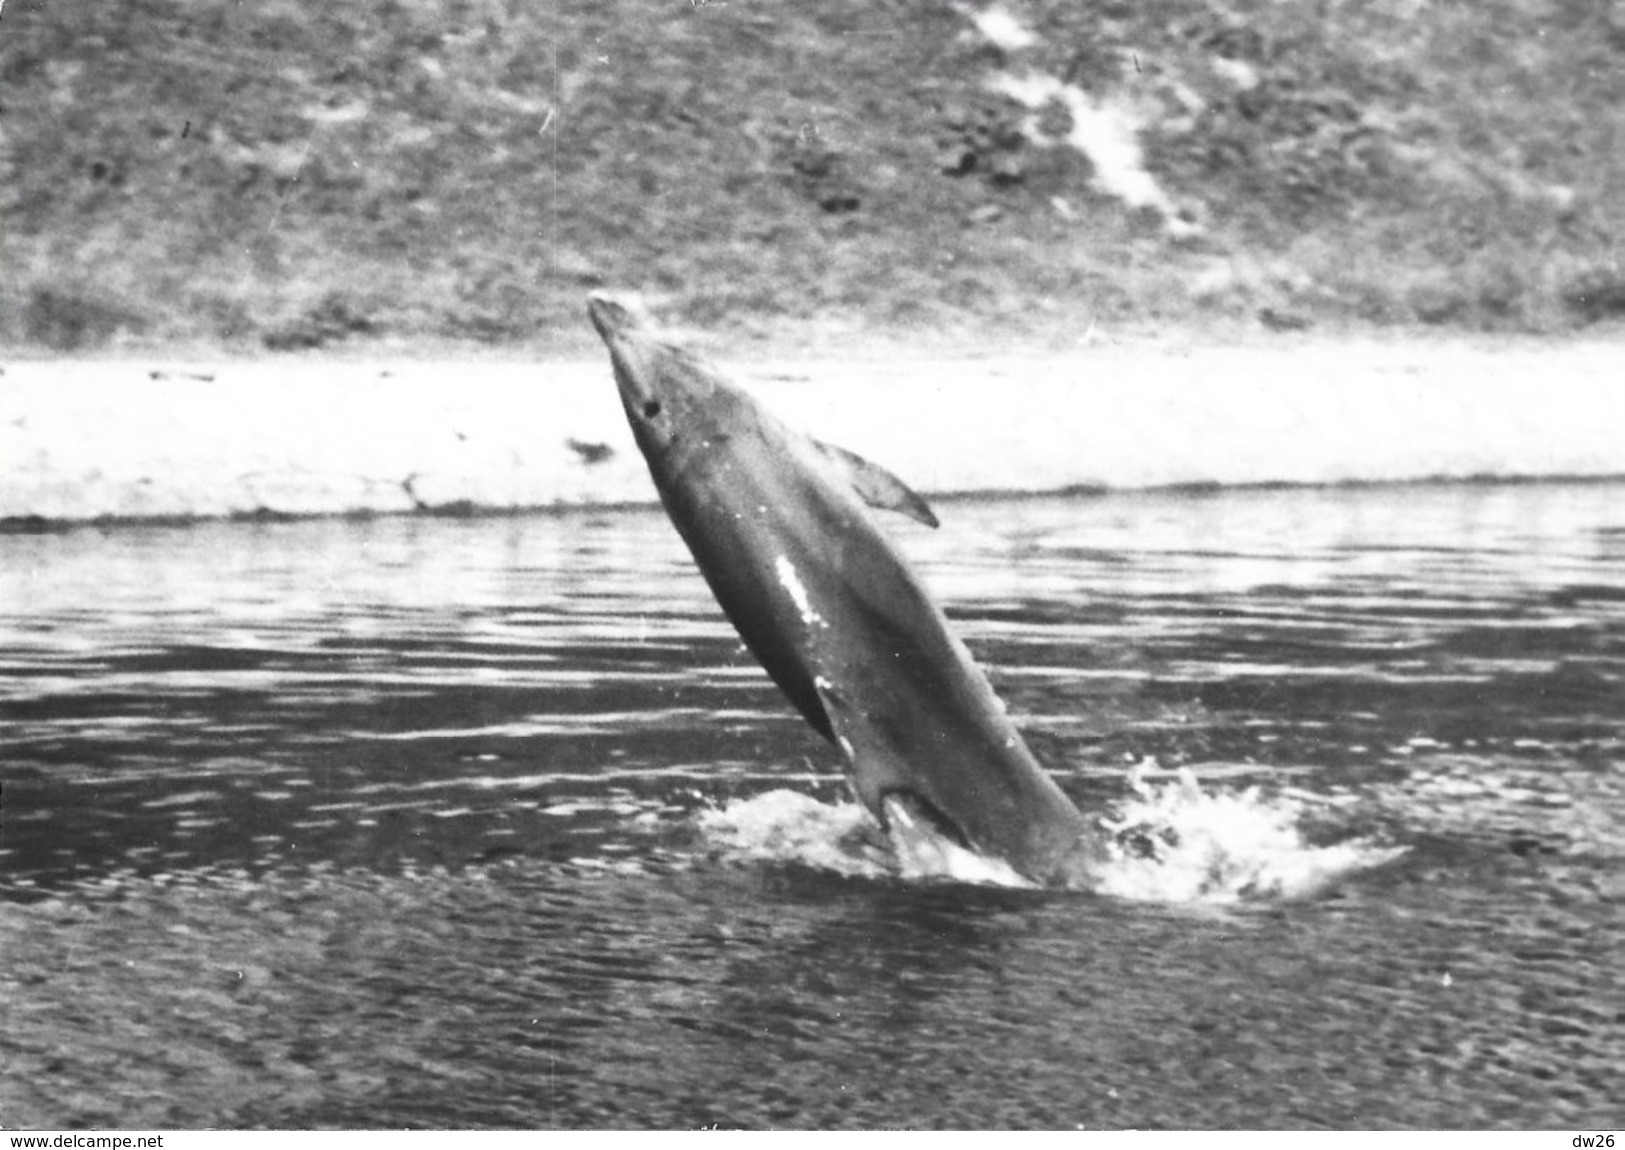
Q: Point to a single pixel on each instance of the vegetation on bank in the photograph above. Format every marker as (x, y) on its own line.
(281, 175)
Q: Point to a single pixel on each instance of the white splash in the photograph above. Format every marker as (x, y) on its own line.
(788, 826)
(1176, 843)
(1172, 843)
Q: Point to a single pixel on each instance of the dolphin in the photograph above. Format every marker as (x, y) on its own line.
(780, 527)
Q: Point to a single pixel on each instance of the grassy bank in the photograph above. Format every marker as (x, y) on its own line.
(283, 176)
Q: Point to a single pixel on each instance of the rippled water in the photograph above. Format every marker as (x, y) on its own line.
(436, 822)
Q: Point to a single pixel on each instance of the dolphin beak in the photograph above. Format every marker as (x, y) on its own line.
(632, 353)
(613, 319)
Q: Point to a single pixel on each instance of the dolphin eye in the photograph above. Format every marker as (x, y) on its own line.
(651, 409)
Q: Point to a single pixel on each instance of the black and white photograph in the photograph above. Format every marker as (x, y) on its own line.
(917, 565)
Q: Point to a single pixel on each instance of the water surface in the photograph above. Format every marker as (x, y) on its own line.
(492, 822)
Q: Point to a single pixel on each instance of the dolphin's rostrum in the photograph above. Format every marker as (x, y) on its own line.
(780, 527)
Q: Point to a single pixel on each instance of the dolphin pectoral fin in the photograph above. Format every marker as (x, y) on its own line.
(841, 715)
(927, 847)
(907, 814)
(883, 778)
(875, 485)
(874, 768)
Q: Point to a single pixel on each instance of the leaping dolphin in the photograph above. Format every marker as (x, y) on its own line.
(779, 527)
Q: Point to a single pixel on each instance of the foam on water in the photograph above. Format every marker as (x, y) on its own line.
(1171, 842)
(1178, 843)
(788, 826)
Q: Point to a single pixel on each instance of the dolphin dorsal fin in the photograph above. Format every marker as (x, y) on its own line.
(875, 485)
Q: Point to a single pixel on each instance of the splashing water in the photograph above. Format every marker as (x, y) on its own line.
(1177, 843)
(787, 826)
(1172, 842)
